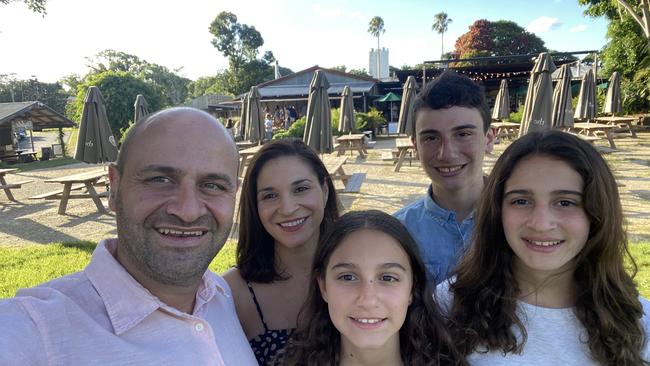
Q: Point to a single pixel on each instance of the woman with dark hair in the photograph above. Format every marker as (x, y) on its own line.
(369, 303)
(546, 280)
(287, 201)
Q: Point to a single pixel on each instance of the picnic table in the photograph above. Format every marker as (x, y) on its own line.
(625, 122)
(245, 155)
(334, 166)
(21, 156)
(596, 129)
(403, 145)
(73, 184)
(505, 129)
(351, 143)
(7, 187)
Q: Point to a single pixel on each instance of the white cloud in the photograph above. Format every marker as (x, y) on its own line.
(543, 24)
(578, 28)
(355, 15)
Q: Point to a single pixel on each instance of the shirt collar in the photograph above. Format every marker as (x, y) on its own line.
(127, 302)
(437, 211)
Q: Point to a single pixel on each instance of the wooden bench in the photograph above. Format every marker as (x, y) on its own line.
(56, 194)
(14, 185)
(354, 183)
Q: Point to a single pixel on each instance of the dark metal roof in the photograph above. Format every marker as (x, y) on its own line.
(40, 114)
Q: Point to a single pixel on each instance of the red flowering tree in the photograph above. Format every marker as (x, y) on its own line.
(500, 38)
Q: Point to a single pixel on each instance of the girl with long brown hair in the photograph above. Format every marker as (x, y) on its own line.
(547, 279)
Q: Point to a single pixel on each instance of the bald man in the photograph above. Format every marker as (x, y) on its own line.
(147, 297)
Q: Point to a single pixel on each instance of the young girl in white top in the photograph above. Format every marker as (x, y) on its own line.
(547, 279)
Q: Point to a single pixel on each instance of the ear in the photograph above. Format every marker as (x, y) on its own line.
(414, 141)
(326, 193)
(114, 183)
(321, 286)
(489, 140)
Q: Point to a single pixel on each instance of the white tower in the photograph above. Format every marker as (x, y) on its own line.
(383, 63)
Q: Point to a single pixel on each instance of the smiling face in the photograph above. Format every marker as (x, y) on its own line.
(451, 145)
(174, 202)
(544, 221)
(290, 201)
(367, 286)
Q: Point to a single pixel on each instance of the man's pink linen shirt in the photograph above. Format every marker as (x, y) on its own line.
(103, 316)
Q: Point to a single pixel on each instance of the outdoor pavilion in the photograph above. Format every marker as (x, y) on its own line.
(24, 114)
(293, 89)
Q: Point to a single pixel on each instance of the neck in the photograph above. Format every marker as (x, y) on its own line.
(461, 201)
(388, 354)
(181, 297)
(549, 290)
(297, 260)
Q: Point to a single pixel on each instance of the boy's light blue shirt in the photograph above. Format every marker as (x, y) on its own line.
(442, 241)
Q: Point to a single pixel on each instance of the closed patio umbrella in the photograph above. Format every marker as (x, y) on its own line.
(96, 143)
(539, 97)
(586, 107)
(254, 131)
(243, 117)
(501, 108)
(318, 129)
(562, 109)
(346, 118)
(406, 120)
(141, 108)
(613, 97)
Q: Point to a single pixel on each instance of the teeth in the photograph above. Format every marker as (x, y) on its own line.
(180, 233)
(293, 223)
(367, 321)
(545, 243)
(450, 169)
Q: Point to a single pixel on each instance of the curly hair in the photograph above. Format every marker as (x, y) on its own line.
(484, 309)
(423, 338)
(255, 248)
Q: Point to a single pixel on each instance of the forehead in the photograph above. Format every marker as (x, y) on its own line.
(284, 169)
(446, 119)
(544, 173)
(369, 248)
(187, 142)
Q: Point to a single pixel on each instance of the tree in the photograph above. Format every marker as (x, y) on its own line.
(13, 90)
(173, 86)
(37, 6)
(119, 90)
(639, 10)
(500, 38)
(376, 28)
(440, 25)
(359, 72)
(238, 42)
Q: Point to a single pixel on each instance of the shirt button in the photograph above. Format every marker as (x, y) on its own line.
(198, 327)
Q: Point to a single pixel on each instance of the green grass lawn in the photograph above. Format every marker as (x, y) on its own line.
(29, 266)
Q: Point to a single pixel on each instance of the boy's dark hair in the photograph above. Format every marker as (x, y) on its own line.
(453, 90)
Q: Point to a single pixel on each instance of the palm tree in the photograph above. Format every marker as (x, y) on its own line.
(440, 25)
(376, 28)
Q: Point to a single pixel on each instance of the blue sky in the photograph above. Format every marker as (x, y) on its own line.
(301, 33)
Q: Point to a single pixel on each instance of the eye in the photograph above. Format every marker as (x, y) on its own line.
(159, 179)
(215, 186)
(346, 277)
(465, 133)
(389, 278)
(519, 202)
(302, 189)
(268, 196)
(429, 138)
(567, 203)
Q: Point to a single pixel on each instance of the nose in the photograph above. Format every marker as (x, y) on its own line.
(186, 203)
(446, 150)
(541, 218)
(288, 205)
(367, 297)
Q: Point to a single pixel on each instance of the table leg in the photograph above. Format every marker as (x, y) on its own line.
(359, 147)
(400, 159)
(93, 194)
(344, 178)
(632, 129)
(7, 190)
(610, 138)
(64, 198)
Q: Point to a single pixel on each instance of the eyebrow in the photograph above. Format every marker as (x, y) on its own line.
(529, 192)
(457, 128)
(176, 172)
(294, 183)
(387, 265)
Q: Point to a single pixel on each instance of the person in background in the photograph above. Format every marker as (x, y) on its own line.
(268, 127)
(287, 201)
(147, 297)
(369, 302)
(452, 136)
(548, 279)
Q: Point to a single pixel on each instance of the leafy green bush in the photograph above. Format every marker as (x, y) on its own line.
(370, 121)
(516, 116)
(635, 94)
(297, 130)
